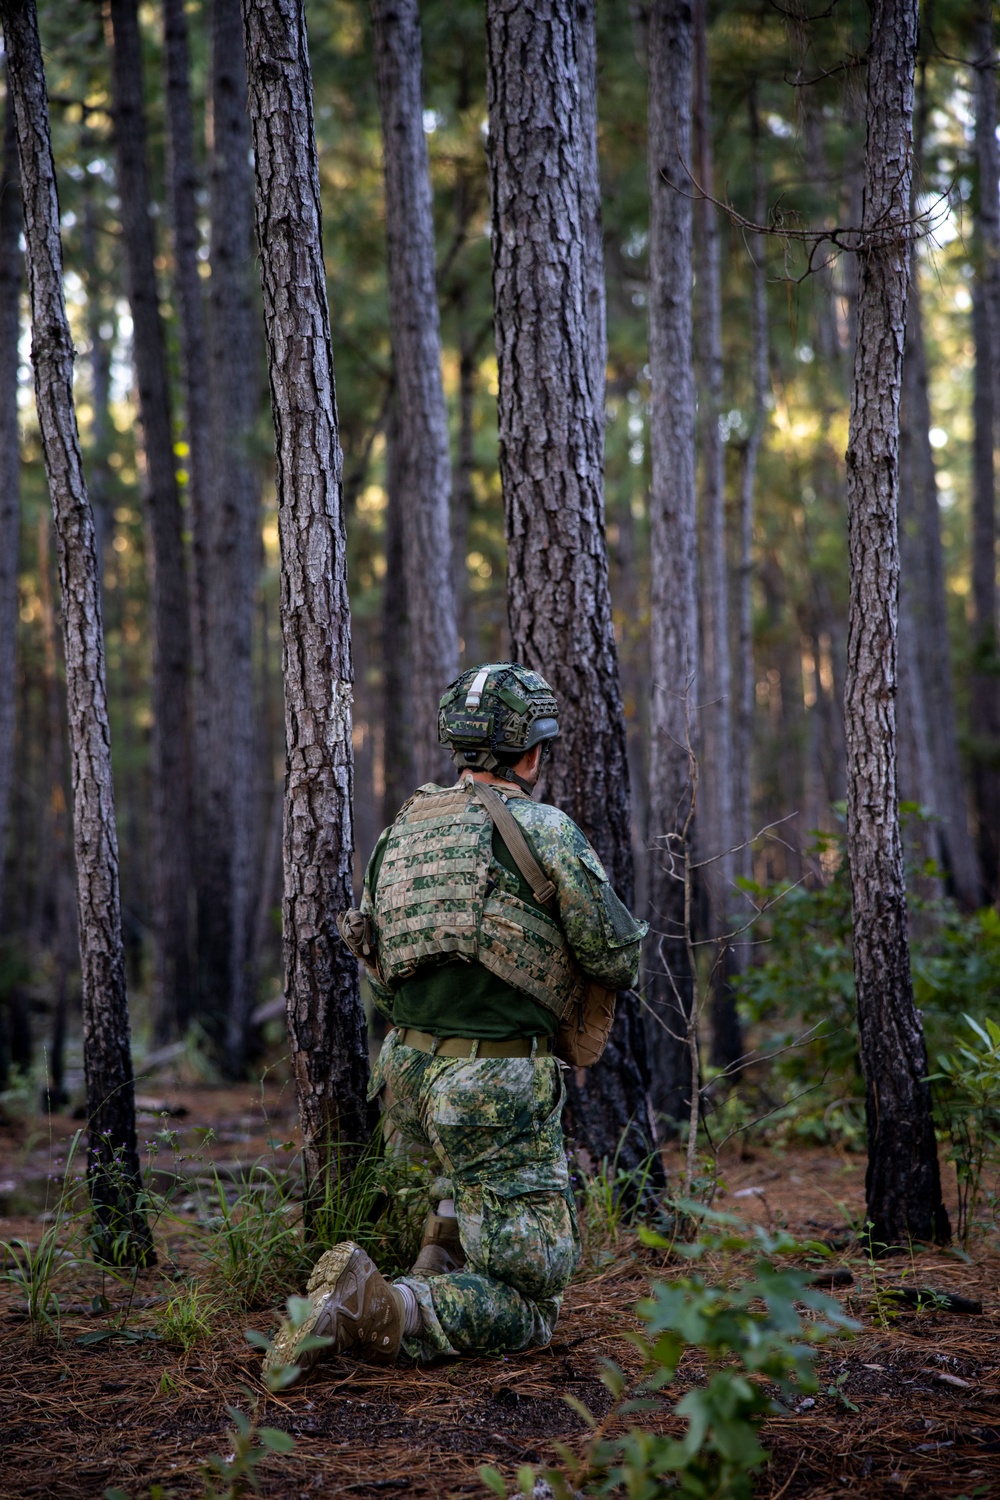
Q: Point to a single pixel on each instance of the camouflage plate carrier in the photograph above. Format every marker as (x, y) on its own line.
(435, 902)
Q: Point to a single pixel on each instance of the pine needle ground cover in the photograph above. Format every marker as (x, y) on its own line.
(135, 1387)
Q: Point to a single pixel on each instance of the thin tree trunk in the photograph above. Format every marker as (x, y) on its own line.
(903, 1183)
(424, 459)
(673, 547)
(182, 190)
(56, 872)
(463, 496)
(399, 772)
(928, 604)
(232, 549)
(595, 300)
(325, 1019)
(113, 1158)
(743, 739)
(99, 359)
(715, 825)
(985, 695)
(170, 623)
(551, 461)
(10, 459)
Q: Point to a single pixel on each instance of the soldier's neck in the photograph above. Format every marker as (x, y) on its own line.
(498, 781)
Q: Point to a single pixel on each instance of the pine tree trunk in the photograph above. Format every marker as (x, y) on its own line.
(231, 829)
(183, 184)
(928, 605)
(673, 549)
(743, 737)
(170, 624)
(985, 694)
(595, 300)
(113, 1158)
(551, 461)
(326, 1022)
(399, 772)
(99, 360)
(182, 188)
(715, 783)
(424, 460)
(903, 1182)
(10, 457)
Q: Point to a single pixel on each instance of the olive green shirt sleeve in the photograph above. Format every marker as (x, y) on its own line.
(604, 937)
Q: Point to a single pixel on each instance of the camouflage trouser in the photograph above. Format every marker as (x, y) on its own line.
(495, 1126)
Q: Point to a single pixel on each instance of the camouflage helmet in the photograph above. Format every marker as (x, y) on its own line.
(492, 714)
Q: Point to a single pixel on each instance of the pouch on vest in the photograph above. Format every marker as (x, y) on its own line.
(585, 1027)
(355, 927)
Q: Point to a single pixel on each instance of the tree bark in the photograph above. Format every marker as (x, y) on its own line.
(399, 772)
(423, 459)
(183, 183)
(551, 461)
(673, 547)
(171, 802)
(595, 300)
(182, 189)
(760, 385)
(903, 1184)
(715, 825)
(325, 1018)
(923, 569)
(231, 828)
(113, 1158)
(10, 456)
(985, 695)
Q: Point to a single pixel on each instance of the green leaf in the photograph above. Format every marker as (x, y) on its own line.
(575, 1404)
(282, 1377)
(276, 1439)
(526, 1479)
(257, 1340)
(313, 1341)
(493, 1480)
(299, 1309)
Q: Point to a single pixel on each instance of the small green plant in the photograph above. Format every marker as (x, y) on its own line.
(608, 1201)
(254, 1242)
(187, 1318)
(749, 1333)
(968, 1102)
(298, 1309)
(836, 1391)
(251, 1236)
(35, 1269)
(230, 1477)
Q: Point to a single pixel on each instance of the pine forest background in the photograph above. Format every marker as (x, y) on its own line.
(787, 99)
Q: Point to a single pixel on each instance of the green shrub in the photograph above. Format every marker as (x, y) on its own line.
(968, 1107)
(751, 1334)
(801, 995)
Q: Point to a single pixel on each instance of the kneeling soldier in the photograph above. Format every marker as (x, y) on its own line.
(476, 967)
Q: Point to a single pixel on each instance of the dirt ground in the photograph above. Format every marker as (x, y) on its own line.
(912, 1408)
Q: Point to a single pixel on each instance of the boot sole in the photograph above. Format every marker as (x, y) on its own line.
(323, 1280)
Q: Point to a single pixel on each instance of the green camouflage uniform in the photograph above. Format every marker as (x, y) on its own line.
(495, 1125)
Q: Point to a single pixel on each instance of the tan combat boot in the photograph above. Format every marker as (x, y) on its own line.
(440, 1249)
(352, 1304)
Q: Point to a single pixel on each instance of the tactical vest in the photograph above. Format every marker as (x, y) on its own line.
(434, 901)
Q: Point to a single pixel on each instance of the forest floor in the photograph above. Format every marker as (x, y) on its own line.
(912, 1403)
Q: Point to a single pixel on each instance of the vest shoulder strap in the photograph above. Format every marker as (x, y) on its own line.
(510, 831)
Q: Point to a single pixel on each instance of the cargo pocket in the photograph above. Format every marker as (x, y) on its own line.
(376, 1082)
(528, 1239)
